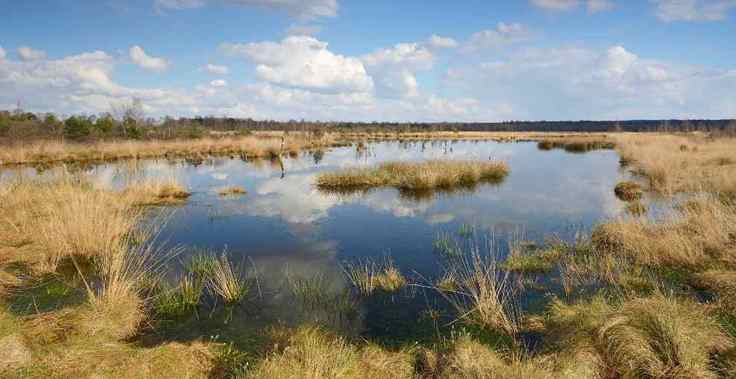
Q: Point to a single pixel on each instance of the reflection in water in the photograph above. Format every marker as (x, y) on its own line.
(298, 236)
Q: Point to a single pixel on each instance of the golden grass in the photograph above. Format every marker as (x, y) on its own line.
(435, 174)
(249, 147)
(698, 234)
(367, 277)
(681, 163)
(483, 294)
(314, 354)
(160, 191)
(654, 337)
(227, 281)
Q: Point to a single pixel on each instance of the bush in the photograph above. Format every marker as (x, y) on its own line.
(77, 127)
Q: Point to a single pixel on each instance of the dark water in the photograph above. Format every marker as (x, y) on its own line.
(289, 229)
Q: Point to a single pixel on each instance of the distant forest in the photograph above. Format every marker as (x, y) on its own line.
(130, 122)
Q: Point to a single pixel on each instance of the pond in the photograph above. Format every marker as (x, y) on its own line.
(284, 230)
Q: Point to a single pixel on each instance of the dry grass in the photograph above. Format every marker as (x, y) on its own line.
(314, 354)
(232, 191)
(483, 294)
(700, 232)
(628, 191)
(249, 147)
(227, 281)
(437, 174)
(681, 163)
(160, 191)
(654, 337)
(367, 277)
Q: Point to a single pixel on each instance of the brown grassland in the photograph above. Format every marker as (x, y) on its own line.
(643, 297)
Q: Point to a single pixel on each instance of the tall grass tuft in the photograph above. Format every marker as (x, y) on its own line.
(165, 191)
(483, 294)
(227, 281)
(368, 276)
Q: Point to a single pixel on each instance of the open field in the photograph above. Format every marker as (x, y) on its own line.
(85, 284)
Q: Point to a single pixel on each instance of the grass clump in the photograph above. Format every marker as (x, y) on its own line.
(314, 354)
(182, 300)
(157, 192)
(483, 295)
(227, 281)
(654, 337)
(435, 174)
(533, 261)
(628, 191)
(367, 277)
(232, 191)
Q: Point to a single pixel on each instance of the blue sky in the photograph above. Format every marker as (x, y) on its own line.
(373, 60)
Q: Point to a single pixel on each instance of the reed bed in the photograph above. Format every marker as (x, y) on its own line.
(158, 191)
(628, 191)
(435, 174)
(232, 191)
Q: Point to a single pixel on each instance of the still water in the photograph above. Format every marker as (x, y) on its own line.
(285, 228)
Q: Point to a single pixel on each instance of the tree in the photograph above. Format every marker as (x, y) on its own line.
(77, 127)
(4, 126)
(133, 117)
(105, 124)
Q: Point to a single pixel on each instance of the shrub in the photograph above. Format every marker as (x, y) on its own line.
(77, 127)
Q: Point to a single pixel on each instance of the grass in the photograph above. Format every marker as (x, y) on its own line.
(261, 146)
(483, 294)
(436, 174)
(167, 191)
(232, 191)
(577, 144)
(367, 277)
(532, 260)
(227, 281)
(182, 300)
(628, 191)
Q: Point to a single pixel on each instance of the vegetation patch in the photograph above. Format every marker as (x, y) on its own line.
(428, 175)
(232, 191)
(628, 191)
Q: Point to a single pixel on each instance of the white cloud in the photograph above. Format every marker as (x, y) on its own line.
(439, 42)
(29, 54)
(306, 9)
(140, 58)
(2, 53)
(304, 62)
(556, 5)
(693, 10)
(218, 83)
(572, 82)
(394, 68)
(216, 70)
(596, 6)
(303, 30)
(504, 34)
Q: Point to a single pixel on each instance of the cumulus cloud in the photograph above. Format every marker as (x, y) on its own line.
(216, 70)
(29, 54)
(140, 58)
(439, 42)
(218, 83)
(556, 5)
(304, 62)
(306, 9)
(693, 10)
(503, 34)
(572, 82)
(394, 68)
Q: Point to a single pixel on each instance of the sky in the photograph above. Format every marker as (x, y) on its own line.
(352, 60)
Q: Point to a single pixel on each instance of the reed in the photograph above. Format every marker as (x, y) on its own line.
(162, 191)
(628, 191)
(367, 277)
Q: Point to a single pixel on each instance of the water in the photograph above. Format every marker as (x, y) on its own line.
(289, 229)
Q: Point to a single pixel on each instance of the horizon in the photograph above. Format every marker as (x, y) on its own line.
(467, 62)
